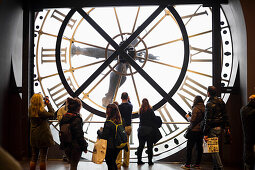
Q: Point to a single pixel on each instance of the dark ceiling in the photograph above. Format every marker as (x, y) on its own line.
(41, 4)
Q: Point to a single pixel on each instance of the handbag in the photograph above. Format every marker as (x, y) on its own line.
(99, 151)
(211, 146)
(188, 133)
(157, 136)
(158, 121)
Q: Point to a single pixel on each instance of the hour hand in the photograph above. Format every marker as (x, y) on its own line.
(90, 52)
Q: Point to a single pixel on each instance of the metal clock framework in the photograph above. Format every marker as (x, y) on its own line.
(163, 53)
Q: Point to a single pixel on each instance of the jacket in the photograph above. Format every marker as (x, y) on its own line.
(148, 126)
(215, 114)
(197, 116)
(108, 134)
(40, 133)
(148, 119)
(76, 124)
(248, 122)
(126, 113)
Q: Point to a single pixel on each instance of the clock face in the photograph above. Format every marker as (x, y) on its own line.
(148, 51)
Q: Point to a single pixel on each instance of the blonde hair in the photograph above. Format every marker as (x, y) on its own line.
(36, 105)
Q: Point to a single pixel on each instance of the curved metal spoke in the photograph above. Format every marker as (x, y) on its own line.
(154, 26)
(133, 80)
(71, 69)
(179, 68)
(40, 32)
(176, 40)
(87, 65)
(116, 15)
(138, 10)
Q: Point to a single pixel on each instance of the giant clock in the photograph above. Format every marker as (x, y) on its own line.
(156, 52)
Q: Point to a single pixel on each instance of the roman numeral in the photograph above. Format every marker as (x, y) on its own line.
(48, 55)
(59, 16)
(166, 117)
(192, 88)
(198, 51)
(88, 118)
(58, 92)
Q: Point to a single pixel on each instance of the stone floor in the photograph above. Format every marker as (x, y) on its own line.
(88, 165)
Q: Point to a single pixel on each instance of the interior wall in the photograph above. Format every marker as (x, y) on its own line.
(248, 7)
(11, 125)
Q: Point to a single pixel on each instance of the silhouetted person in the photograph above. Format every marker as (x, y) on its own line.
(40, 135)
(215, 121)
(125, 109)
(196, 133)
(146, 131)
(248, 123)
(108, 133)
(78, 144)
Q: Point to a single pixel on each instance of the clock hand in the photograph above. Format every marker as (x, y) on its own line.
(116, 81)
(90, 52)
(140, 57)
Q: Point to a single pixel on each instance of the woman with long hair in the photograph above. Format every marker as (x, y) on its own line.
(40, 135)
(78, 144)
(196, 137)
(146, 129)
(108, 133)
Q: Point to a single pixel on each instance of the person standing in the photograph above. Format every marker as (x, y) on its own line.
(125, 109)
(146, 131)
(60, 112)
(108, 133)
(40, 135)
(215, 121)
(78, 144)
(248, 125)
(196, 134)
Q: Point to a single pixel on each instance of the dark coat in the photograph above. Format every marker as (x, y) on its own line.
(108, 134)
(197, 116)
(148, 128)
(40, 133)
(248, 122)
(76, 124)
(126, 113)
(215, 114)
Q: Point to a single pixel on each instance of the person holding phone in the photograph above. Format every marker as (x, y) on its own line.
(40, 135)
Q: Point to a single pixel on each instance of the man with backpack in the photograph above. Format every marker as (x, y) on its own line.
(126, 109)
(215, 121)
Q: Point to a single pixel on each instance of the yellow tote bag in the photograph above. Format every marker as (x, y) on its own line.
(211, 146)
(99, 151)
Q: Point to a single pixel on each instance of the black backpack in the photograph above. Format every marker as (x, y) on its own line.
(120, 136)
(65, 134)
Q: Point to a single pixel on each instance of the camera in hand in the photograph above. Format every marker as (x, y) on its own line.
(189, 113)
(46, 99)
